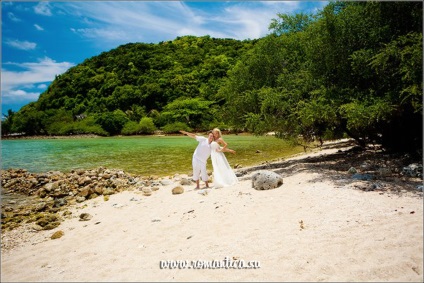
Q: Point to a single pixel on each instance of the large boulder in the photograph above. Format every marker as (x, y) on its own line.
(266, 180)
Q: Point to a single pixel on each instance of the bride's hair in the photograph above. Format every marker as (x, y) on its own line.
(218, 131)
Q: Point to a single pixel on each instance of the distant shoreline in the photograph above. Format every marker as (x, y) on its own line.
(42, 137)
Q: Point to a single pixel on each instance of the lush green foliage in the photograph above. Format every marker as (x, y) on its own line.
(144, 127)
(175, 127)
(147, 126)
(169, 82)
(353, 69)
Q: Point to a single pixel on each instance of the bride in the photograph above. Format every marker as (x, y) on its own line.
(223, 175)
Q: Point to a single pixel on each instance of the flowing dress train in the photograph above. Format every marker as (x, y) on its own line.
(223, 175)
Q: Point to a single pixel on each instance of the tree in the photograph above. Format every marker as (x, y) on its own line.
(112, 122)
(147, 126)
(193, 112)
(29, 121)
(369, 61)
(287, 23)
(351, 69)
(7, 123)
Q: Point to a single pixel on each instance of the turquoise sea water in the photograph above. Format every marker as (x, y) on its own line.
(143, 155)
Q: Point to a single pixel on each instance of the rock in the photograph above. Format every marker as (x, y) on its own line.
(107, 176)
(51, 186)
(67, 214)
(413, 170)
(85, 191)
(93, 195)
(166, 182)
(80, 199)
(48, 221)
(147, 191)
(85, 216)
(57, 235)
(366, 166)
(51, 225)
(384, 171)
(60, 202)
(11, 183)
(155, 183)
(203, 192)
(155, 188)
(108, 191)
(40, 206)
(185, 182)
(352, 170)
(42, 193)
(36, 227)
(98, 190)
(177, 190)
(265, 180)
(363, 177)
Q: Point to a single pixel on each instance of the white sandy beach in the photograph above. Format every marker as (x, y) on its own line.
(309, 229)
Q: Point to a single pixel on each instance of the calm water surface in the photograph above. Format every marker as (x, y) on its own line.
(143, 155)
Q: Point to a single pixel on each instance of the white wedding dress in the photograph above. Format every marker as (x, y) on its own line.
(223, 175)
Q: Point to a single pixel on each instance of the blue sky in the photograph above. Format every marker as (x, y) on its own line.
(43, 39)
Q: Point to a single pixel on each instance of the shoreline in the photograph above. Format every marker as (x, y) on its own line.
(46, 137)
(30, 189)
(42, 137)
(321, 224)
(252, 153)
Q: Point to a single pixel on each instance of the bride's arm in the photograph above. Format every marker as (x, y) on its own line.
(224, 147)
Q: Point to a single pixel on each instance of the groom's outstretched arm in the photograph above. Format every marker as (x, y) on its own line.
(191, 135)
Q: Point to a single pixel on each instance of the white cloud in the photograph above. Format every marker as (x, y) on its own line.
(143, 21)
(37, 27)
(252, 21)
(131, 21)
(18, 95)
(12, 17)
(23, 45)
(25, 85)
(119, 22)
(106, 34)
(43, 8)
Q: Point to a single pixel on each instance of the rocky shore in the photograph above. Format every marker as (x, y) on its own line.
(43, 198)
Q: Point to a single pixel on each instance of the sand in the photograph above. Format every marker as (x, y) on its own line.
(309, 229)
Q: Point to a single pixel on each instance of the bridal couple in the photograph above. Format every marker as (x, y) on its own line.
(213, 146)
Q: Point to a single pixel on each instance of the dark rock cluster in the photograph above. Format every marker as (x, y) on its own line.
(42, 198)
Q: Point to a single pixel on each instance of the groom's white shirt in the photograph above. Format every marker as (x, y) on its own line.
(203, 149)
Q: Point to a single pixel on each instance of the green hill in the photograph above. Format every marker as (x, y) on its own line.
(169, 82)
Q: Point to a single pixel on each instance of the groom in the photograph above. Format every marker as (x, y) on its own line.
(200, 157)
